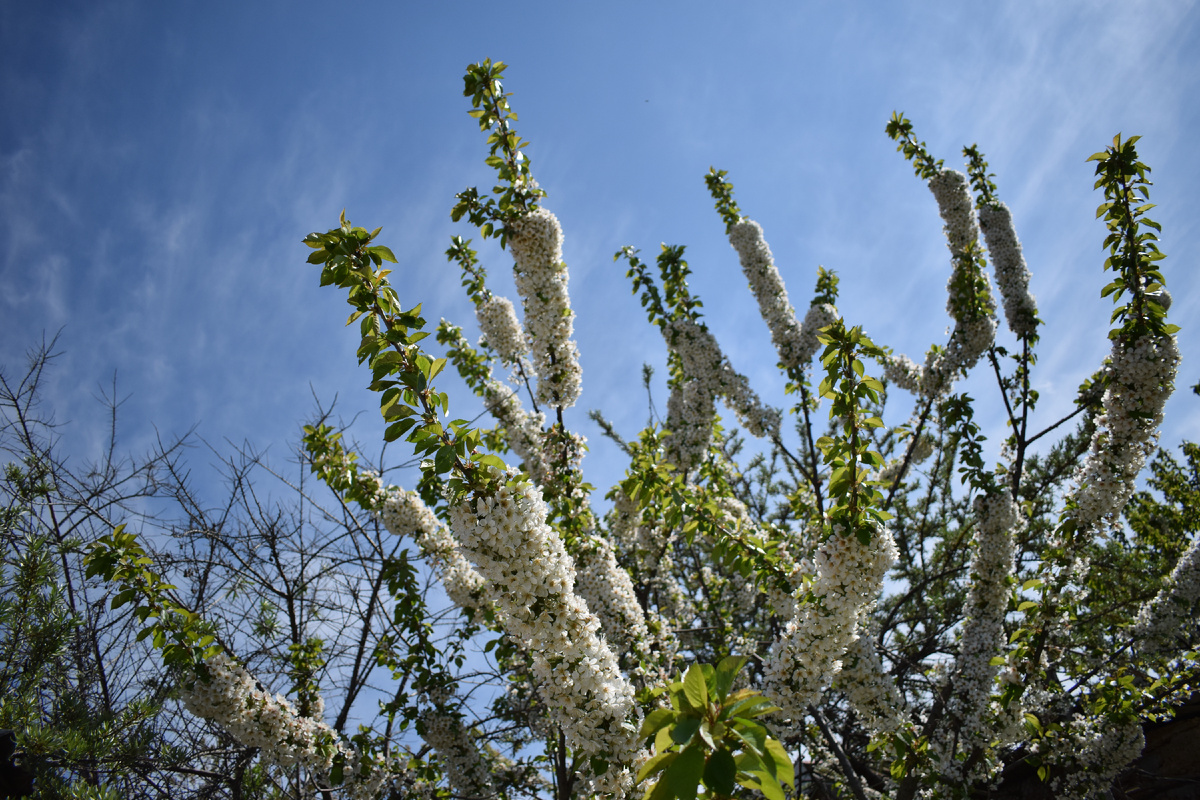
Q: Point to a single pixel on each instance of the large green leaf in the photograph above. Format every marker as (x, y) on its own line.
(695, 688)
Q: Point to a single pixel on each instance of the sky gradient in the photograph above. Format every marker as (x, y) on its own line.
(160, 163)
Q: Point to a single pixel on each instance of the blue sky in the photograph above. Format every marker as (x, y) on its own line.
(160, 162)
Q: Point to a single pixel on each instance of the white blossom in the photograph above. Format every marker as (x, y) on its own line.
(765, 281)
(501, 330)
(506, 535)
(524, 429)
(872, 692)
(233, 699)
(1089, 754)
(973, 314)
(460, 758)
(1141, 376)
(982, 639)
(847, 580)
(1170, 619)
(405, 514)
(1012, 275)
(541, 277)
(705, 365)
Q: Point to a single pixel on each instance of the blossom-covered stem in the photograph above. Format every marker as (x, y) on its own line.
(465, 770)
(982, 638)
(1170, 619)
(504, 532)
(1140, 379)
(872, 693)
(535, 240)
(230, 696)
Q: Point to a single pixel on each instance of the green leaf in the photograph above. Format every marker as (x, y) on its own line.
(444, 459)
(695, 688)
(383, 252)
(727, 671)
(658, 718)
(783, 762)
(720, 772)
(684, 774)
(683, 730)
(655, 764)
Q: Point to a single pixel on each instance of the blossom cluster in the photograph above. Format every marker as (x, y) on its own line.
(649, 547)
(690, 411)
(1012, 275)
(233, 699)
(1090, 753)
(524, 429)
(501, 330)
(872, 693)
(460, 759)
(1171, 619)
(765, 281)
(506, 535)
(705, 365)
(541, 277)
(610, 595)
(982, 635)
(808, 653)
(405, 514)
(969, 300)
(1141, 376)
(952, 191)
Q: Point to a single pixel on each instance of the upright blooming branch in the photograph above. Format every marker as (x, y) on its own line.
(970, 302)
(1140, 377)
(858, 550)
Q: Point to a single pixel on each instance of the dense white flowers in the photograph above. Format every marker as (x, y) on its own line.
(1141, 376)
(506, 535)
(609, 593)
(982, 637)
(808, 653)
(902, 371)
(464, 768)
(1012, 275)
(969, 300)
(524, 429)
(952, 191)
(759, 267)
(541, 277)
(501, 330)
(405, 514)
(1170, 619)
(233, 699)
(690, 411)
(705, 365)
(1089, 754)
(872, 693)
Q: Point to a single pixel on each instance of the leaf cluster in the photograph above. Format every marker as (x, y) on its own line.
(722, 192)
(712, 736)
(182, 637)
(900, 129)
(849, 456)
(516, 192)
(1132, 252)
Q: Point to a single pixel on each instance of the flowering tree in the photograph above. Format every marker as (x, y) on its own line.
(862, 608)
